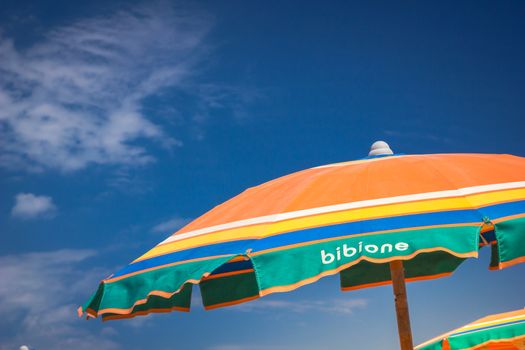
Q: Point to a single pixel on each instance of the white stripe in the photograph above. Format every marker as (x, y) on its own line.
(345, 206)
(359, 161)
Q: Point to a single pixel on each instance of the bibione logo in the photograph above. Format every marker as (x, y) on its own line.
(346, 251)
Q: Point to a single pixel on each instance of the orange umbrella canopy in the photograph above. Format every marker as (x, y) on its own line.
(353, 218)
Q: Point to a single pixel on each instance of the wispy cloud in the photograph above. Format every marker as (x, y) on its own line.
(39, 300)
(335, 306)
(76, 97)
(171, 225)
(30, 206)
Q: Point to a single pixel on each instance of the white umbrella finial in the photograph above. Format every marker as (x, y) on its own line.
(380, 148)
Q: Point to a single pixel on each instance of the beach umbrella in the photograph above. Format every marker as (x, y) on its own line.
(505, 331)
(383, 219)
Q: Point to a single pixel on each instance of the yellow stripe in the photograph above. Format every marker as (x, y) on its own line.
(269, 229)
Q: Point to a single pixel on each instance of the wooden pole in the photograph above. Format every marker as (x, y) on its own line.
(397, 272)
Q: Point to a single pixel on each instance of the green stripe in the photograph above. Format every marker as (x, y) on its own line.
(469, 340)
(426, 264)
(291, 266)
(511, 239)
(229, 289)
(494, 256)
(181, 300)
(123, 293)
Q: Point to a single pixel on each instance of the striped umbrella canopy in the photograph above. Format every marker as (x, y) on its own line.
(354, 218)
(505, 331)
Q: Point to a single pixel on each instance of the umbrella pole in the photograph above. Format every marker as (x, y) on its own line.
(397, 272)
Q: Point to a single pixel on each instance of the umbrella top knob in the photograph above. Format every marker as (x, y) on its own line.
(380, 148)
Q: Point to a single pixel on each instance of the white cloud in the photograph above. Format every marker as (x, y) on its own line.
(171, 225)
(335, 306)
(76, 97)
(39, 302)
(28, 205)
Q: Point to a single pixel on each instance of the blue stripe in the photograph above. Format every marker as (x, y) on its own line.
(330, 231)
(392, 223)
(501, 210)
(236, 247)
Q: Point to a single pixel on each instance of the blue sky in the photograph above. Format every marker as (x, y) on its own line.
(121, 121)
